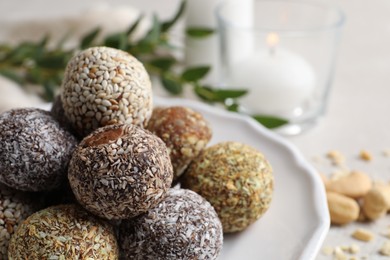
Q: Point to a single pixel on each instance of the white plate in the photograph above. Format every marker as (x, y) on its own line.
(297, 222)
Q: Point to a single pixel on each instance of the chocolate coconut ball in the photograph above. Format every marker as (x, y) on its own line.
(34, 150)
(15, 206)
(104, 86)
(182, 226)
(63, 232)
(236, 179)
(120, 171)
(184, 131)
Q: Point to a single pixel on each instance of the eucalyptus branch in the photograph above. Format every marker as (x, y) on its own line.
(36, 63)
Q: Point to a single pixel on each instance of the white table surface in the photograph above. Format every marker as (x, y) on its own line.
(359, 106)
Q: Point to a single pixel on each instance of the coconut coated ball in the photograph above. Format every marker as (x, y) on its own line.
(184, 131)
(120, 171)
(182, 226)
(236, 179)
(34, 150)
(63, 232)
(104, 86)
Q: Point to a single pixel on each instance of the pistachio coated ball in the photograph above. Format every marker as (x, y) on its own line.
(236, 179)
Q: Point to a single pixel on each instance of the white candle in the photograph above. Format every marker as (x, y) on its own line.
(278, 80)
(206, 51)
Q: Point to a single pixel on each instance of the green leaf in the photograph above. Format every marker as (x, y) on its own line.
(164, 63)
(230, 93)
(204, 93)
(153, 35)
(218, 95)
(117, 40)
(195, 73)
(35, 75)
(233, 107)
(88, 39)
(199, 32)
(168, 24)
(44, 41)
(141, 48)
(22, 52)
(270, 121)
(171, 85)
(53, 61)
(12, 76)
(50, 88)
(134, 26)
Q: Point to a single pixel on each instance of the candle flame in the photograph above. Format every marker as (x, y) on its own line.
(272, 39)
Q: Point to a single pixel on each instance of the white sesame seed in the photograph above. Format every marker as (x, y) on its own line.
(106, 103)
(117, 80)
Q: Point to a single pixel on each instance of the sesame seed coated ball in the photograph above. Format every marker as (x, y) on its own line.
(63, 232)
(34, 150)
(236, 179)
(182, 226)
(184, 131)
(120, 171)
(15, 206)
(104, 86)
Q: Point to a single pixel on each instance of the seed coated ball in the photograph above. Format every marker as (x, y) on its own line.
(15, 206)
(184, 131)
(236, 179)
(183, 226)
(120, 171)
(104, 86)
(34, 150)
(63, 232)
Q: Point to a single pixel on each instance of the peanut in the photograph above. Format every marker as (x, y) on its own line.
(364, 155)
(385, 249)
(342, 209)
(362, 235)
(336, 157)
(376, 202)
(354, 185)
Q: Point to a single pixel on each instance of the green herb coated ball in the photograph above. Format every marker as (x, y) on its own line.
(63, 232)
(236, 179)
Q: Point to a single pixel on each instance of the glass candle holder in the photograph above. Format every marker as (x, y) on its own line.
(284, 54)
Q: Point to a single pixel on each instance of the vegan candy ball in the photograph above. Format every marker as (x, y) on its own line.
(34, 150)
(182, 226)
(184, 131)
(63, 232)
(104, 86)
(120, 171)
(15, 206)
(236, 179)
